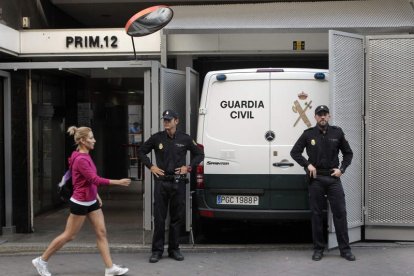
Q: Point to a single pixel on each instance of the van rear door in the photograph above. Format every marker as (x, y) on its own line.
(236, 164)
(294, 96)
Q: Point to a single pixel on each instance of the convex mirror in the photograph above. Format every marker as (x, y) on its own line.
(149, 21)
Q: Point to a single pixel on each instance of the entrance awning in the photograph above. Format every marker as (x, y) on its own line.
(372, 16)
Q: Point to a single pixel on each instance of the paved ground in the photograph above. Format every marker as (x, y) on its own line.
(124, 224)
(372, 259)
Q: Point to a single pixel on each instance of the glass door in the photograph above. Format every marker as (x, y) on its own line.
(1, 154)
(48, 139)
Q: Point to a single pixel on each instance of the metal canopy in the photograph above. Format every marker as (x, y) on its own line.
(75, 64)
(372, 16)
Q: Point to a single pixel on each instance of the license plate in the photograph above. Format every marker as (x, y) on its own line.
(237, 200)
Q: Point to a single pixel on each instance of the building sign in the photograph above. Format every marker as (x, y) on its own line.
(107, 41)
(116, 42)
(88, 42)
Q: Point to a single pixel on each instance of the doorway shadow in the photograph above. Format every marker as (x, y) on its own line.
(123, 211)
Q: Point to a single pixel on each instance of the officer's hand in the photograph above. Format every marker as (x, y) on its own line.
(156, 171)
(312, 171)
(181, 170)
(336, 173)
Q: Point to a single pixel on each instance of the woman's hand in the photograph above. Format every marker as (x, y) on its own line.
(99, 200)
(124, 182)
(121, 182)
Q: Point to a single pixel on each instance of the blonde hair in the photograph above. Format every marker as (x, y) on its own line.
(79, 133)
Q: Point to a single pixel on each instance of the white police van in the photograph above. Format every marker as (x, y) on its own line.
(249, 120)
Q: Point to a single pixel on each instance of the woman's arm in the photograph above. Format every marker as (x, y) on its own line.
(121, 182)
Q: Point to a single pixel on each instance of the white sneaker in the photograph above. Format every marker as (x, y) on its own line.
(41, 267)
(115, 270)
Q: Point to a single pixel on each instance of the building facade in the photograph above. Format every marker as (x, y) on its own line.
(61, 67)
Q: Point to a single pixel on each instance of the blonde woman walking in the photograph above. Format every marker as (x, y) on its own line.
(84, 203)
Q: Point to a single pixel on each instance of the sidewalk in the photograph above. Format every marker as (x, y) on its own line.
(372, 259)
(124, 218)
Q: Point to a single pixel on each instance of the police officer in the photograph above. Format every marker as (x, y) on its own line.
(170, 148)
(322, 144)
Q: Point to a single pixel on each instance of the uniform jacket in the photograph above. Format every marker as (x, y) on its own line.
(170, 153)
(323, 149)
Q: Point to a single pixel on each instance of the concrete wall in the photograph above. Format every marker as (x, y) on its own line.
(42, 14)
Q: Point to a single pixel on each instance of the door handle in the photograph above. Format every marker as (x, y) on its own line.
(283, 164)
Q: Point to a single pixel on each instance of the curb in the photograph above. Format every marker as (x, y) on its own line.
(36, 248)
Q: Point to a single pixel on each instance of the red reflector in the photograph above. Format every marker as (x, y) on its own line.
(200, 182)
(200, 169)
(200, 177)
(206, 213)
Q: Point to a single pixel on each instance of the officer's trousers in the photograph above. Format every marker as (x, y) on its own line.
(332, 187)
(173, 193)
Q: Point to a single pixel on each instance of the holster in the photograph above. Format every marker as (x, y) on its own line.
(308, 178)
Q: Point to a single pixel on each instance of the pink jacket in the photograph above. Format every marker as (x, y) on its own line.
(84, 177)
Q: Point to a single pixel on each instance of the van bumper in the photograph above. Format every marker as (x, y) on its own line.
(237, 214)
(206, 212)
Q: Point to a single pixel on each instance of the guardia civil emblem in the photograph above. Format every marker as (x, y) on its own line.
(313, 142)
(160, 146)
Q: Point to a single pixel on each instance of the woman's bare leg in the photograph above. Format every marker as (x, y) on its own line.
(73, 225)
(98, 222)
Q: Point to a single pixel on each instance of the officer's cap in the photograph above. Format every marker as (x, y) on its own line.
(169, 114)
(321, 108)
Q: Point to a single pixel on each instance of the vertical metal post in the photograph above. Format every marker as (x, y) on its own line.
(151, 125)
(30, 120)
(133, 46)
(147, 133)
(8, 228)
(163, 49)
(188, 211)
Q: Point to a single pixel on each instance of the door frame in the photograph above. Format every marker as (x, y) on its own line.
(8, 180)
(192, 96)
(373, 230)
(151, 122)
(347, 84)
(396, 223)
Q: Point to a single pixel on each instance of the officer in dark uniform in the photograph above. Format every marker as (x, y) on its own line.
(170, 148)
(322, 144)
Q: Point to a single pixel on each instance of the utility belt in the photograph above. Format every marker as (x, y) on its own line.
(324, 172)
(173, 178)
